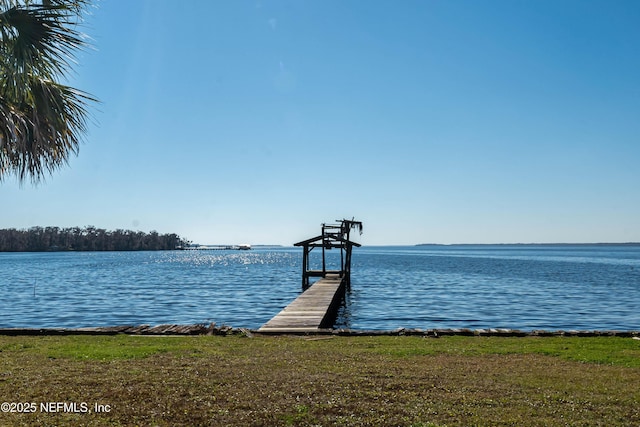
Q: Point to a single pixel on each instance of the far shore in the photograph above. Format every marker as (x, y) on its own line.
(532, 244)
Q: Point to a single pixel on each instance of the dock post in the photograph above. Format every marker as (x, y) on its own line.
(325, 242)
(305, 263)
(347, 266)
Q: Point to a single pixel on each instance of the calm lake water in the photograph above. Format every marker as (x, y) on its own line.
(503, 286)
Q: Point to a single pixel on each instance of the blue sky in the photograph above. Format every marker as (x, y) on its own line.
(431, 121)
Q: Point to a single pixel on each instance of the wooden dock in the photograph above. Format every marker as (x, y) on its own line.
(317, 306)
(313, 310)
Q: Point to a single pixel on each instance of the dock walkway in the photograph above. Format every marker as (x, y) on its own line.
(314, 309)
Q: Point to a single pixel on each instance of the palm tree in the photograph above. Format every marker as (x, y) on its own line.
(41, 120)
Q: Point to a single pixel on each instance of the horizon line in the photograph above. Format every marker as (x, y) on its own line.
(460, 244)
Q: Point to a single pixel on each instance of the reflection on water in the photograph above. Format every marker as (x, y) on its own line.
(523, 287)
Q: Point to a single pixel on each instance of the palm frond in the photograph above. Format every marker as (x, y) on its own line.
(41, 120)
(42, 135)
(40, 39)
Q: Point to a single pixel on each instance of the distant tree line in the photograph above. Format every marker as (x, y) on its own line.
(40, 239)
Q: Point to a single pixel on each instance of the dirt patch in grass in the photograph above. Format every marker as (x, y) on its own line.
(349, 381)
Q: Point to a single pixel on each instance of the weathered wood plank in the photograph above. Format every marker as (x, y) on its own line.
(311, 310)
(320, 273)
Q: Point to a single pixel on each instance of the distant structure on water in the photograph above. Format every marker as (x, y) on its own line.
(242, 247)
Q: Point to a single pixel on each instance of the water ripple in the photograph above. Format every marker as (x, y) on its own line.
(446, 287)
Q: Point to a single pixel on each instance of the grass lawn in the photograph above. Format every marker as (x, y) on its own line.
(319, 381)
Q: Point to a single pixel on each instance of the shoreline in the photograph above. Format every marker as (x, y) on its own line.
(212, 329)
